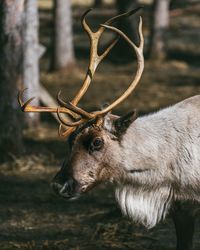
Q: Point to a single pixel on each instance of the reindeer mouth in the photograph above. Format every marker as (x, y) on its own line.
(70, 188)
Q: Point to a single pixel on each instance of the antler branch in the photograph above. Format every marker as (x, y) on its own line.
(78, 115)
(140, 66)
(26, 107)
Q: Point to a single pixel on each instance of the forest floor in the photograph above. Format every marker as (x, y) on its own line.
(31, 216)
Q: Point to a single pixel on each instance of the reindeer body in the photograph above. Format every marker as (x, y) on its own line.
(154, 160)
(161, 157)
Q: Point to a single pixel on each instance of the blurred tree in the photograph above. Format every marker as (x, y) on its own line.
(11, 13)
(63, 51)
(31, 53)
(159, 30)
(121, 51)
(98, 3)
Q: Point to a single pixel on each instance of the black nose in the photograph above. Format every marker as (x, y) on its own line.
(65, 189)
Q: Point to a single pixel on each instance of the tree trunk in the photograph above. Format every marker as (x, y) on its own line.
(11, 13)
(121, 51)
(159, 30)
(31, 58)
(63, 51)
(98, 3)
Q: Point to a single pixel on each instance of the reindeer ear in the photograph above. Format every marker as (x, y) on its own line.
(121, 124)
(118, 125)
(109, 121)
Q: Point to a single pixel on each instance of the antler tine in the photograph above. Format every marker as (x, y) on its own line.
(66, 123)
(73, 108)
(66, 132)
(84, 23)
(26, 107)
(141, 45)
(126, 14)
(140, 58)
(79, 111)
(109, 21)
(19, 97)
(112, 20)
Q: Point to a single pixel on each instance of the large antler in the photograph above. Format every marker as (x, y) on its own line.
(140, 66)
(95, 60)
(76, 114)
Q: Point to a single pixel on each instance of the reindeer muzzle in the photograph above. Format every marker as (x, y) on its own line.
(67, 189)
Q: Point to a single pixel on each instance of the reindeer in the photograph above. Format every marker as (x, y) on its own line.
(153, 160)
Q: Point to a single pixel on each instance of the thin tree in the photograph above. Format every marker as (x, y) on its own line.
(159, 30)
(63, 51)
(31, 58)
(11, 13)
(98, 3)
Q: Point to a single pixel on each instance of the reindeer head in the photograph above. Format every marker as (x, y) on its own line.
(94, 156)
(93, 138)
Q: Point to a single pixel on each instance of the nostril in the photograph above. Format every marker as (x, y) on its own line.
(64, 188)
(68, 187)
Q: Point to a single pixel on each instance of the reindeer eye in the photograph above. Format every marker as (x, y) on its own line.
(96, 144)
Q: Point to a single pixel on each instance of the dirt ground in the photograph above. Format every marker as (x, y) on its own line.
(31, 216)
